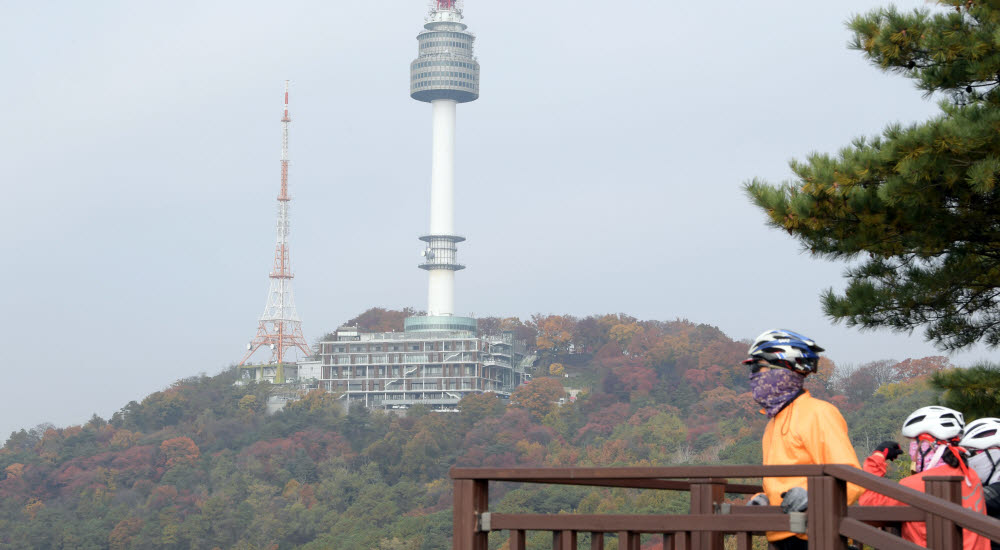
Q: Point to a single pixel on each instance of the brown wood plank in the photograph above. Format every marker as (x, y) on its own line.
(628, 540)
(597, 541)
(941, 532)
(705, 495)
(564, 540)
(743, 488)
(481, 503)
(764, 510)
(652, 483)
(624, 483)
(886, 513)
(462, 520)
(517, 540)
(874, 537)
(470, 498)
(978, 523)
(744, 541)
(636, 472)
(682, 541)
(641, 523)
(827, 506)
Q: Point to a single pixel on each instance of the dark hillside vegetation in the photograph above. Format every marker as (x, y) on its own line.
(200, 464)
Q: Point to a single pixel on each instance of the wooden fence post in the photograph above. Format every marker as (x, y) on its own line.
(471, 498)
(564, 540)
(827, 507)
(943, 533)
(706, 494)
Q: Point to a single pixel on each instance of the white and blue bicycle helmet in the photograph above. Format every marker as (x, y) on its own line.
(786, 349)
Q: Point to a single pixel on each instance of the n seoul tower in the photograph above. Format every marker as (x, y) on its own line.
(444, 74)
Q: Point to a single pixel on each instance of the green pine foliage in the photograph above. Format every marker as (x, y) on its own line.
(916, 211)
(975, 391)
(201, 465)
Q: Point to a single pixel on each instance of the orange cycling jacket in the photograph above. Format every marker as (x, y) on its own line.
(807, 431)
(916, 531)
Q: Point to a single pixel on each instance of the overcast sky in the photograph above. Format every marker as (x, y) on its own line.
(600, 171)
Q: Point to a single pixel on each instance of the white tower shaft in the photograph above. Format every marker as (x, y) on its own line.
(443, 167)
(444, 74)
(441, 282)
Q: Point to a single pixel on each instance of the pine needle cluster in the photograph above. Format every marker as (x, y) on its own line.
(916, 210)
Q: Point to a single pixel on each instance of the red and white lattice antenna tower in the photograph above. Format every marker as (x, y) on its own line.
(280, 328)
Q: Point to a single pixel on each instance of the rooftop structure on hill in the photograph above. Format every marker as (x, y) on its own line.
(435, 367)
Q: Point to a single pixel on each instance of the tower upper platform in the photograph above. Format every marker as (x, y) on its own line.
(446, 66)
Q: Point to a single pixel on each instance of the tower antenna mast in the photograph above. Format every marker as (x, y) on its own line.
(280, 328)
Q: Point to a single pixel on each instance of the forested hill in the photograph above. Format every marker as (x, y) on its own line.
(199, 465)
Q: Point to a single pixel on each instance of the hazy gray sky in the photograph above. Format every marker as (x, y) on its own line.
(600, 171)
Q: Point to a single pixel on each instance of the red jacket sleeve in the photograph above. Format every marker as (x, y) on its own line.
(875, 464)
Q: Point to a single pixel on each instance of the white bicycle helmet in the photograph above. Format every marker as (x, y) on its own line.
(941, 423)
(784, 348)
(983, 433)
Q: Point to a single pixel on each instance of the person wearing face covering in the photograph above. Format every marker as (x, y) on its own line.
(935, 451)
(801, 429)
(982, 439)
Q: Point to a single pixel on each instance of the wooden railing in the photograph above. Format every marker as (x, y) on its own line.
(828, 522)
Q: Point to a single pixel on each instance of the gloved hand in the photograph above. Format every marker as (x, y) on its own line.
(889, 449)
(795, 499)
(760, 499)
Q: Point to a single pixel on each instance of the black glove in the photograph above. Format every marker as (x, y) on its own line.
(890, 449)
(795, 499)
(760, 499)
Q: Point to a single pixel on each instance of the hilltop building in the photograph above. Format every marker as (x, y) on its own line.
(428, 365)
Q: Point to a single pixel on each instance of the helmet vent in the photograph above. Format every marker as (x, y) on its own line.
(916, 420)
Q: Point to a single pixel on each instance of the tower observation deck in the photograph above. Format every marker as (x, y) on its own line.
(444, 74)
(446, 66)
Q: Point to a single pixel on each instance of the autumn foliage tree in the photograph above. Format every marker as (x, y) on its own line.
(539, 396)
(178, 451)
(555, 332)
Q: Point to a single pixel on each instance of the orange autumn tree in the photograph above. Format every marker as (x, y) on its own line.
(538, 396)
(555, 332)
(180, 450)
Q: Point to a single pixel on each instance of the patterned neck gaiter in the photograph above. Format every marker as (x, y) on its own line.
(773, 388)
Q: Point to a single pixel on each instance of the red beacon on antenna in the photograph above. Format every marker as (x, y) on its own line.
(446, 4)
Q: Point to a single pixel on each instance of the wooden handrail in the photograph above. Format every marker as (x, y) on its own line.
(640, 523)
(828, 521)
(977, 523)
(637, 472)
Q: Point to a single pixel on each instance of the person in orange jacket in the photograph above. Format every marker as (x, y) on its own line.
(801, 430)
(935, 432)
